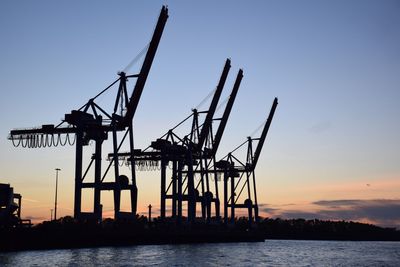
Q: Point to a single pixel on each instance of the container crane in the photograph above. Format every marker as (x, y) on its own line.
(201, 154)
(185, 154)
(211, 148)
(244, 173)
(200, 160)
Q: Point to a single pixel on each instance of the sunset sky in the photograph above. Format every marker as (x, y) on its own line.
(333, 149)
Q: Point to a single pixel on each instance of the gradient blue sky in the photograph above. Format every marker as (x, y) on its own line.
(334, 65)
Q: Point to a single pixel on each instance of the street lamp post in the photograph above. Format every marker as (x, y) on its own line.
(55, 201)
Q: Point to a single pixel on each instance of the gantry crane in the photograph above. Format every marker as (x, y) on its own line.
(205, 151)
(93, 123)
(210, 149)
(242, 174)
(200, 138)
(188, 156)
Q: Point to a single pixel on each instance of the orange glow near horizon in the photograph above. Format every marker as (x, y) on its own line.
(293, 199)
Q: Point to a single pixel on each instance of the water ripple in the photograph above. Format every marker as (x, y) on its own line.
(269, 253)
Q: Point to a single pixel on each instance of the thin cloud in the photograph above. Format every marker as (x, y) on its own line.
(266, 208)
(30, 200)
(338, 203)
(269, 210)
(276, 205)
(320, 127)
(300, 214)
(383, 212)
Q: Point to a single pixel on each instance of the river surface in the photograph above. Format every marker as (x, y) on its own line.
(268, 253)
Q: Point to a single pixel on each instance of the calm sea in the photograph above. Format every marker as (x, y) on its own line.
(269, 253)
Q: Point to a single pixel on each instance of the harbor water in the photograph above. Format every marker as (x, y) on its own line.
(268, 253)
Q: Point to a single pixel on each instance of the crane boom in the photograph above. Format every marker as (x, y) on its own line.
(144, 72)
(227, 112)
(213, 106)
(264, 134)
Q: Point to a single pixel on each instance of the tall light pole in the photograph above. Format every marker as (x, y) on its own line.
(55, 201)
(150, 206)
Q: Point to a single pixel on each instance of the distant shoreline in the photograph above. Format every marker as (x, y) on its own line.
(67, 234)
(301, 229)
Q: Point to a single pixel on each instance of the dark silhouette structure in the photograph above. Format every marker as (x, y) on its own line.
(316, 229)
(93, 123)
(67, 233)
(189, 171)
(55, 197)
(10, 208)
(244, 173)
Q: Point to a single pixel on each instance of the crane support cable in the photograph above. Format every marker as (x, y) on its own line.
(222, 103)
(135, 59)
(179, 124)
(239, 146)
(206, 98)
(104, 90)
(258, 128)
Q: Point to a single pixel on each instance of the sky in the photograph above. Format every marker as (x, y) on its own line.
(333, 149)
